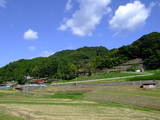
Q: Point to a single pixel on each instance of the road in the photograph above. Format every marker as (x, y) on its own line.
(85, 82)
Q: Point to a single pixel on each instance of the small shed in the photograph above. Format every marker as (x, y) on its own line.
(139, 70)
(19, 87)
(148, 85)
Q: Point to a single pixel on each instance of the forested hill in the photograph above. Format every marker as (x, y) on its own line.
(147, 48)
(68, 63)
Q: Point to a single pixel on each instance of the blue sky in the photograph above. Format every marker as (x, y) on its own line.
(32, 28)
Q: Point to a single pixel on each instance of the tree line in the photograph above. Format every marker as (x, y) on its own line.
(66, 64)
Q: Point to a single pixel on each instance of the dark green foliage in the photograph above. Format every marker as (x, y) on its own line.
(66, 70)
(153, 62)
(109, 60)
(67, 64)
(62, 65)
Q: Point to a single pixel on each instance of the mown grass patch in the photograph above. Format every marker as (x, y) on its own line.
(106, 75)
(150, 75)
(108, 81)
(1, 95)
(110, 104)
(68, 95)
(99, 76)
(9, 117)
(128, 95)
(82, 112)
(155, 76)
(7, 91)
(4, 93)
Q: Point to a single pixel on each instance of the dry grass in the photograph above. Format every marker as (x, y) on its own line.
(130, 95)
(62, 112)
(66, 89)
(8, 92)
(40, 104)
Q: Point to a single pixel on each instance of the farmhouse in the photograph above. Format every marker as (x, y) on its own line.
(148, 85)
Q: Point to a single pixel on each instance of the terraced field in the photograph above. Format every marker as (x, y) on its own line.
(81, 103)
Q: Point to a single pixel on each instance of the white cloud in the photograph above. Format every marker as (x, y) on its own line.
(83, 22)
(30, 35)
(32, 48)
(3, 3)
(69, 5)
(130, 16)
(62, 27)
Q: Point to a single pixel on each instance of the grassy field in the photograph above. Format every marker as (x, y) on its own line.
(81, 112)
(100, 76)
(106, 75)
(155, 76)
(81, 103)
(9, 117)
(84, 102)
(128, 95)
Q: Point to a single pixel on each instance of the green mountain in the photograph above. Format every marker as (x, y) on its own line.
(67, 64)
(147, 48)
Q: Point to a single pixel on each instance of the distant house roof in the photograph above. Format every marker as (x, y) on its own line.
(39, 81)
(84, 70)
(149, 84)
